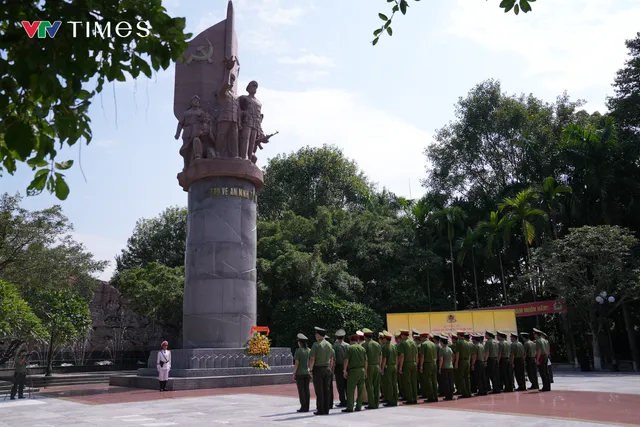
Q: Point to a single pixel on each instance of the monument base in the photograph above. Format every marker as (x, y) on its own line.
(213, 368)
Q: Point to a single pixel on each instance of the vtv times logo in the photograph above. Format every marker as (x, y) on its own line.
(91, 29)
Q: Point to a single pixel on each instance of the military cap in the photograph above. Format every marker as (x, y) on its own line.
(454, 337)
(340, 333)
(367, 331)
(491, 334)
(404, 332)
(460, 333)
(467, 335)
(360, 333)
(354, 337)
(537, 331)
(514, 335)
(302, 337)
(501, 334)
(397, 334)
(387, 334)
(425, 334)
(524, 334)
(318, 329)
(415, 332)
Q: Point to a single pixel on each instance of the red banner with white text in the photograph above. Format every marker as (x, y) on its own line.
(534, 308)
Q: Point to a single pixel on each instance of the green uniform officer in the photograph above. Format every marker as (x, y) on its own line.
(530, 360)
(542, 359)
(518, 362)
(374, 352)
(340, 348)
(407, 359)
(428, 369)
(415, 336)
(479, 367)
(446, 369)
(320, 362)
(464, 364)
(389, 370)
(491, 352)
(19, 375)
(456, 372)
(398, 340)
(355, 372)
(504, 360)
(301, 372)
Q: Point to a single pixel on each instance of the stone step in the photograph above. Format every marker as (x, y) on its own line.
(193, 383)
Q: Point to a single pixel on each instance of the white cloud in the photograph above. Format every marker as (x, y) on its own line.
(208, 20)
(306, 76)
(274, 12)
(386, 148)
(310, 59)
(570, 44)
(102, 248)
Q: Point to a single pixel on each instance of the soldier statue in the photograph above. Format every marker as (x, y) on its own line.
(190, 127)
(228, 126)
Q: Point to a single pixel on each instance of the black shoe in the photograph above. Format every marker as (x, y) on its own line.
(357, 409)
(20, 397)
(341, 405)
(532, 388)
(369, 407)
(317, 413)
(389, 405)
(448, 398)
(12, 398)
(347, 410)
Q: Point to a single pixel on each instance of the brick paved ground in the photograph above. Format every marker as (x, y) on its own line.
(573, 402)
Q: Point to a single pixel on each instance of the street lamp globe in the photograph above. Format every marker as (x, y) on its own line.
(603, 294)
(599, 299)
(611, 299)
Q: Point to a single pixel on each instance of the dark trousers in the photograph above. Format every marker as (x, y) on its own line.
(18, 383)
(544, 372)
(302, 382)
(550, 371)
(448, 379)
(341, 384)
(494, 374)
(532, 373)
(518, 368)
(480, 380)
(322, 386)
(506, 374)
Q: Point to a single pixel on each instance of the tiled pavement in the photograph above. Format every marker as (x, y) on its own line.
(573, 402)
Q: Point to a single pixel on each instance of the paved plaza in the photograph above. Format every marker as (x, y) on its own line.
(576, 399)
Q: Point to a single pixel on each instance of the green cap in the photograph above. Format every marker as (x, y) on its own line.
(302, 337)
(404, 332)
(340, 333)
(367, 331)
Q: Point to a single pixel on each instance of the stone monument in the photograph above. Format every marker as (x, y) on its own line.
(220, 134)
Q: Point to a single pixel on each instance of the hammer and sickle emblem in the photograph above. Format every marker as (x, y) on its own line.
(206, 54)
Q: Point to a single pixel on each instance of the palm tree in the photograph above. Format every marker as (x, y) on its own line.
(521, 212)
(496, 231)
(422, 214)
(465, 245)
(453, 217)
(549, 193)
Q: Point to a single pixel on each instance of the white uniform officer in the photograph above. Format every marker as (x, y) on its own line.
(164, 365)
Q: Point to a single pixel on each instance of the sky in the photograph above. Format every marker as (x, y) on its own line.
(322, 82)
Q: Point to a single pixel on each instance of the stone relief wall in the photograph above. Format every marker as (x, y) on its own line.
(117, 327)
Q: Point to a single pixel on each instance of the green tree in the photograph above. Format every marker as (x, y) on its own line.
(45, 96)
(519, 211)
(64, 315)
(155, 291)
(162, 239)
(312, 177)
(452, 219)
(18, 323)
(20, 229)
(402, 6)
(625, 105)
(587, 261)
(549, 194)
(301, 315)
(495, 232)
(468, 245)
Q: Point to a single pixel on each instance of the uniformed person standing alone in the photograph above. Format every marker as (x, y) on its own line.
(355, 372)
(340, 348)
(320, 360)
(428, 369)
(479, 371)
(518, 355)
(389, 370)
(491, 358)
(398, 340)
(417, 339)
(542, 359)
(407, 359)
(301, 372)
(372, 382)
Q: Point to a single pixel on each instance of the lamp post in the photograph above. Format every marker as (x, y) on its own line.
(603, 299)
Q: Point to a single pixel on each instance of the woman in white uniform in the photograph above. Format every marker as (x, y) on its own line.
(164, 365)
